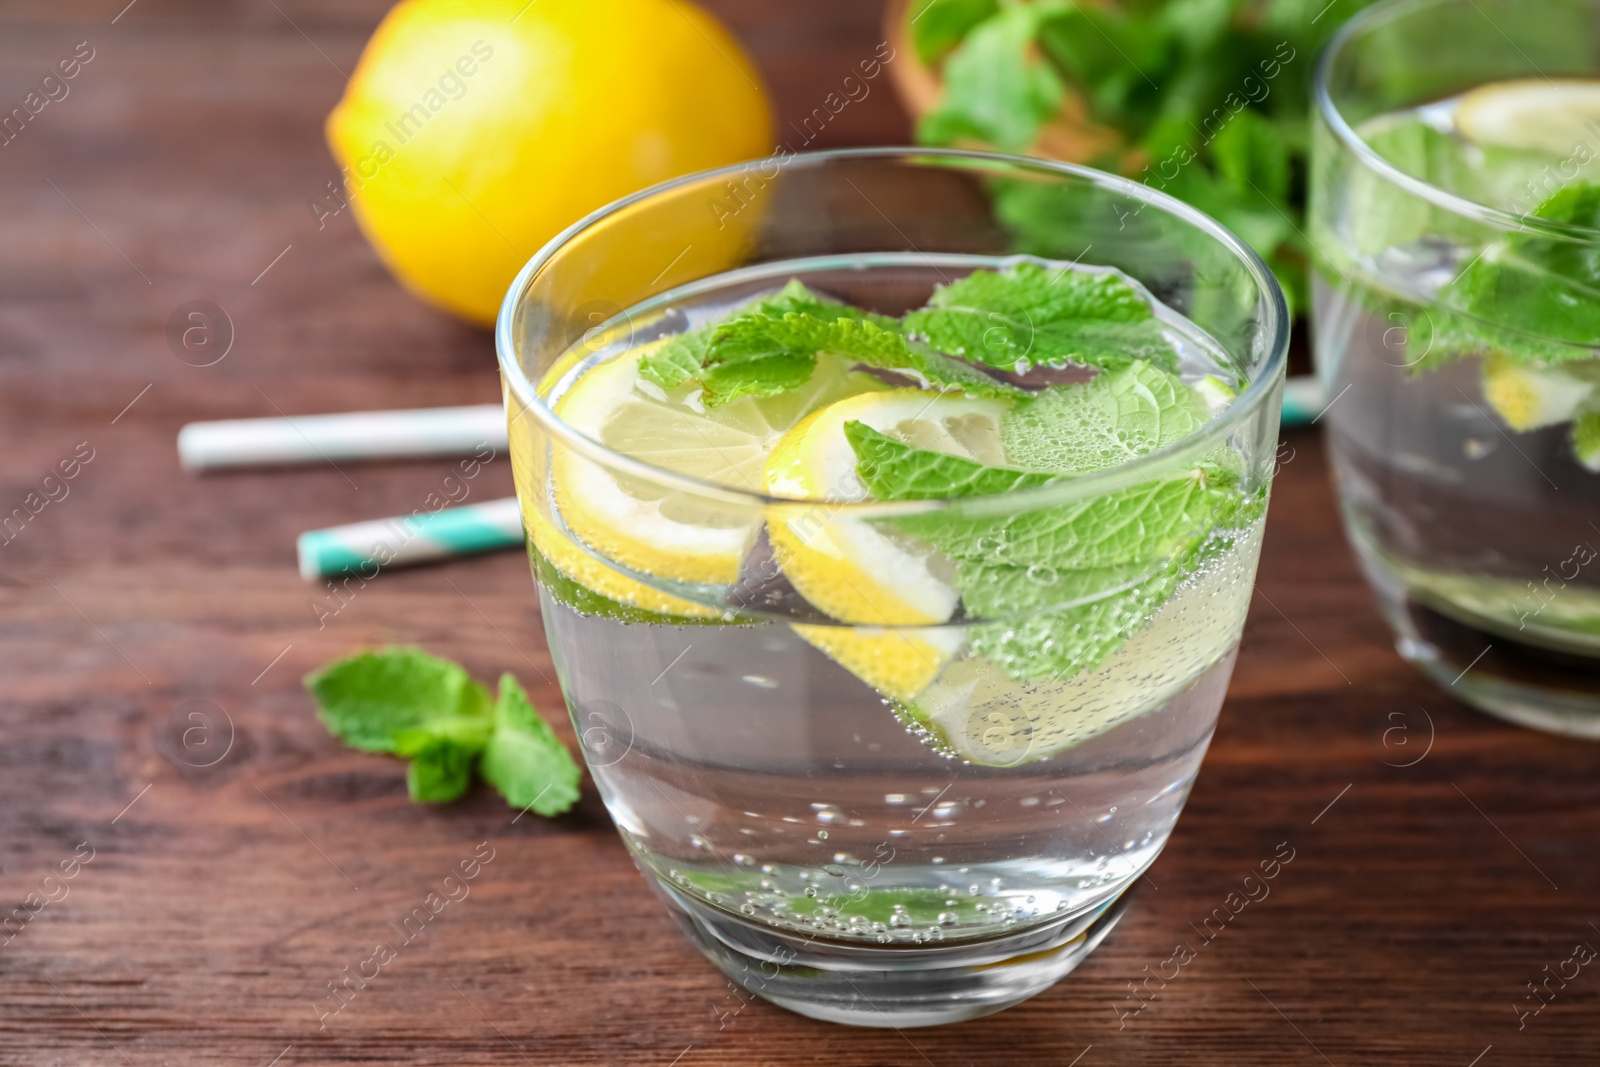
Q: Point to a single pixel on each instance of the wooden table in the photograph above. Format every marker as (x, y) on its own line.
(1437, 869)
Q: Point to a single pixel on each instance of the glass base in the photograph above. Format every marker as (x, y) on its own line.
(899, 986)
(1550, 683)
(1521, 682)
(1492, 684)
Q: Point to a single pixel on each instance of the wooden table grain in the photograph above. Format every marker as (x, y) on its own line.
(1441, 861)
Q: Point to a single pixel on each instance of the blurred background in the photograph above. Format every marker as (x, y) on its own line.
(183, 167)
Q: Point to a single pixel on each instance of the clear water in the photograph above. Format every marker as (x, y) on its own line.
(1480, 540)
(762, 778)
(754, 776)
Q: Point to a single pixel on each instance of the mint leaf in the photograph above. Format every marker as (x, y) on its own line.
(1142, 524)
(1252, 158)
(751, 352)
(678, 360)
(859, 339)
(892, 470)
(681, 358)
(1117, 416)
(771, 347)
(368, 700)
(404, 701)
(442, 754)
(1531, 288)
(1586, 439)
(764, 354)
(525, 759)
(937, 26)
(996, 89)
(1383, 215)
(1030, 315)
(756, 373)
(1067, 583)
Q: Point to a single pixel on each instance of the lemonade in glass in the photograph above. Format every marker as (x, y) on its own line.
(893, 579)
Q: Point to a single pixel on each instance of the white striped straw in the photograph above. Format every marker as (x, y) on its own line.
(358, 435)
(408, 539)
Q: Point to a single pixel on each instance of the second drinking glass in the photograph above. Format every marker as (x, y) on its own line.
(1456, 214)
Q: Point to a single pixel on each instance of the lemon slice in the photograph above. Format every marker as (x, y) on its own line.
(1531, 396)
(676, 534)
(1536, 114)
(855, 571)
(579, 566)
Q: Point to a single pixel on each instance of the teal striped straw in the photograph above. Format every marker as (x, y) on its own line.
(407, 539)
(1302, 400)
(497, 524)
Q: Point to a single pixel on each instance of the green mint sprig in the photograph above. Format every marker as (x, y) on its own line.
(698, 353)
(937, 26)
(1210, 99)
(1026, 315)
(997, 91)
(771, 346)
(1032, 315)
(1072, 581)
(1533, 286)
(406, 702)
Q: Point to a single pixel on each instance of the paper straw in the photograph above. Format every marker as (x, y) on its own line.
(1302, 400)
(357, 435)
(417, 538)
(408, 539)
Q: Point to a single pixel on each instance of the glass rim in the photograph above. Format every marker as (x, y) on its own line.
(1262, 384)
(1372, 18)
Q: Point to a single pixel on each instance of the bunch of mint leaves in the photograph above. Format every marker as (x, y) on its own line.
(1027, 315)
(1211, 99)
(1071, 581)
(408, 703)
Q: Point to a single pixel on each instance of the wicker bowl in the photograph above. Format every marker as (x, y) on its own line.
(1070, 136)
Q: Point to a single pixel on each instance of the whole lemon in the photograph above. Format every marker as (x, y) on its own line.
(473, 131)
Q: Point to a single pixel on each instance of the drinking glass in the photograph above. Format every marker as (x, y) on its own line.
(1456, 340)
(882, 824)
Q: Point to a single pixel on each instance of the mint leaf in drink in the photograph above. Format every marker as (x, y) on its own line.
(1067, 583)
(1030, 315)
(681, 358)
(892, 470)
(1144, 523)
(749, 371)
(442, 754)
(771, 346)
(525, 759)
(370, 699)
(764, 354)
(1531, 286)
(997, 90)
(1586, 439)
(937, 26)
(804, 332)
(678, 360)
(1117, 416)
